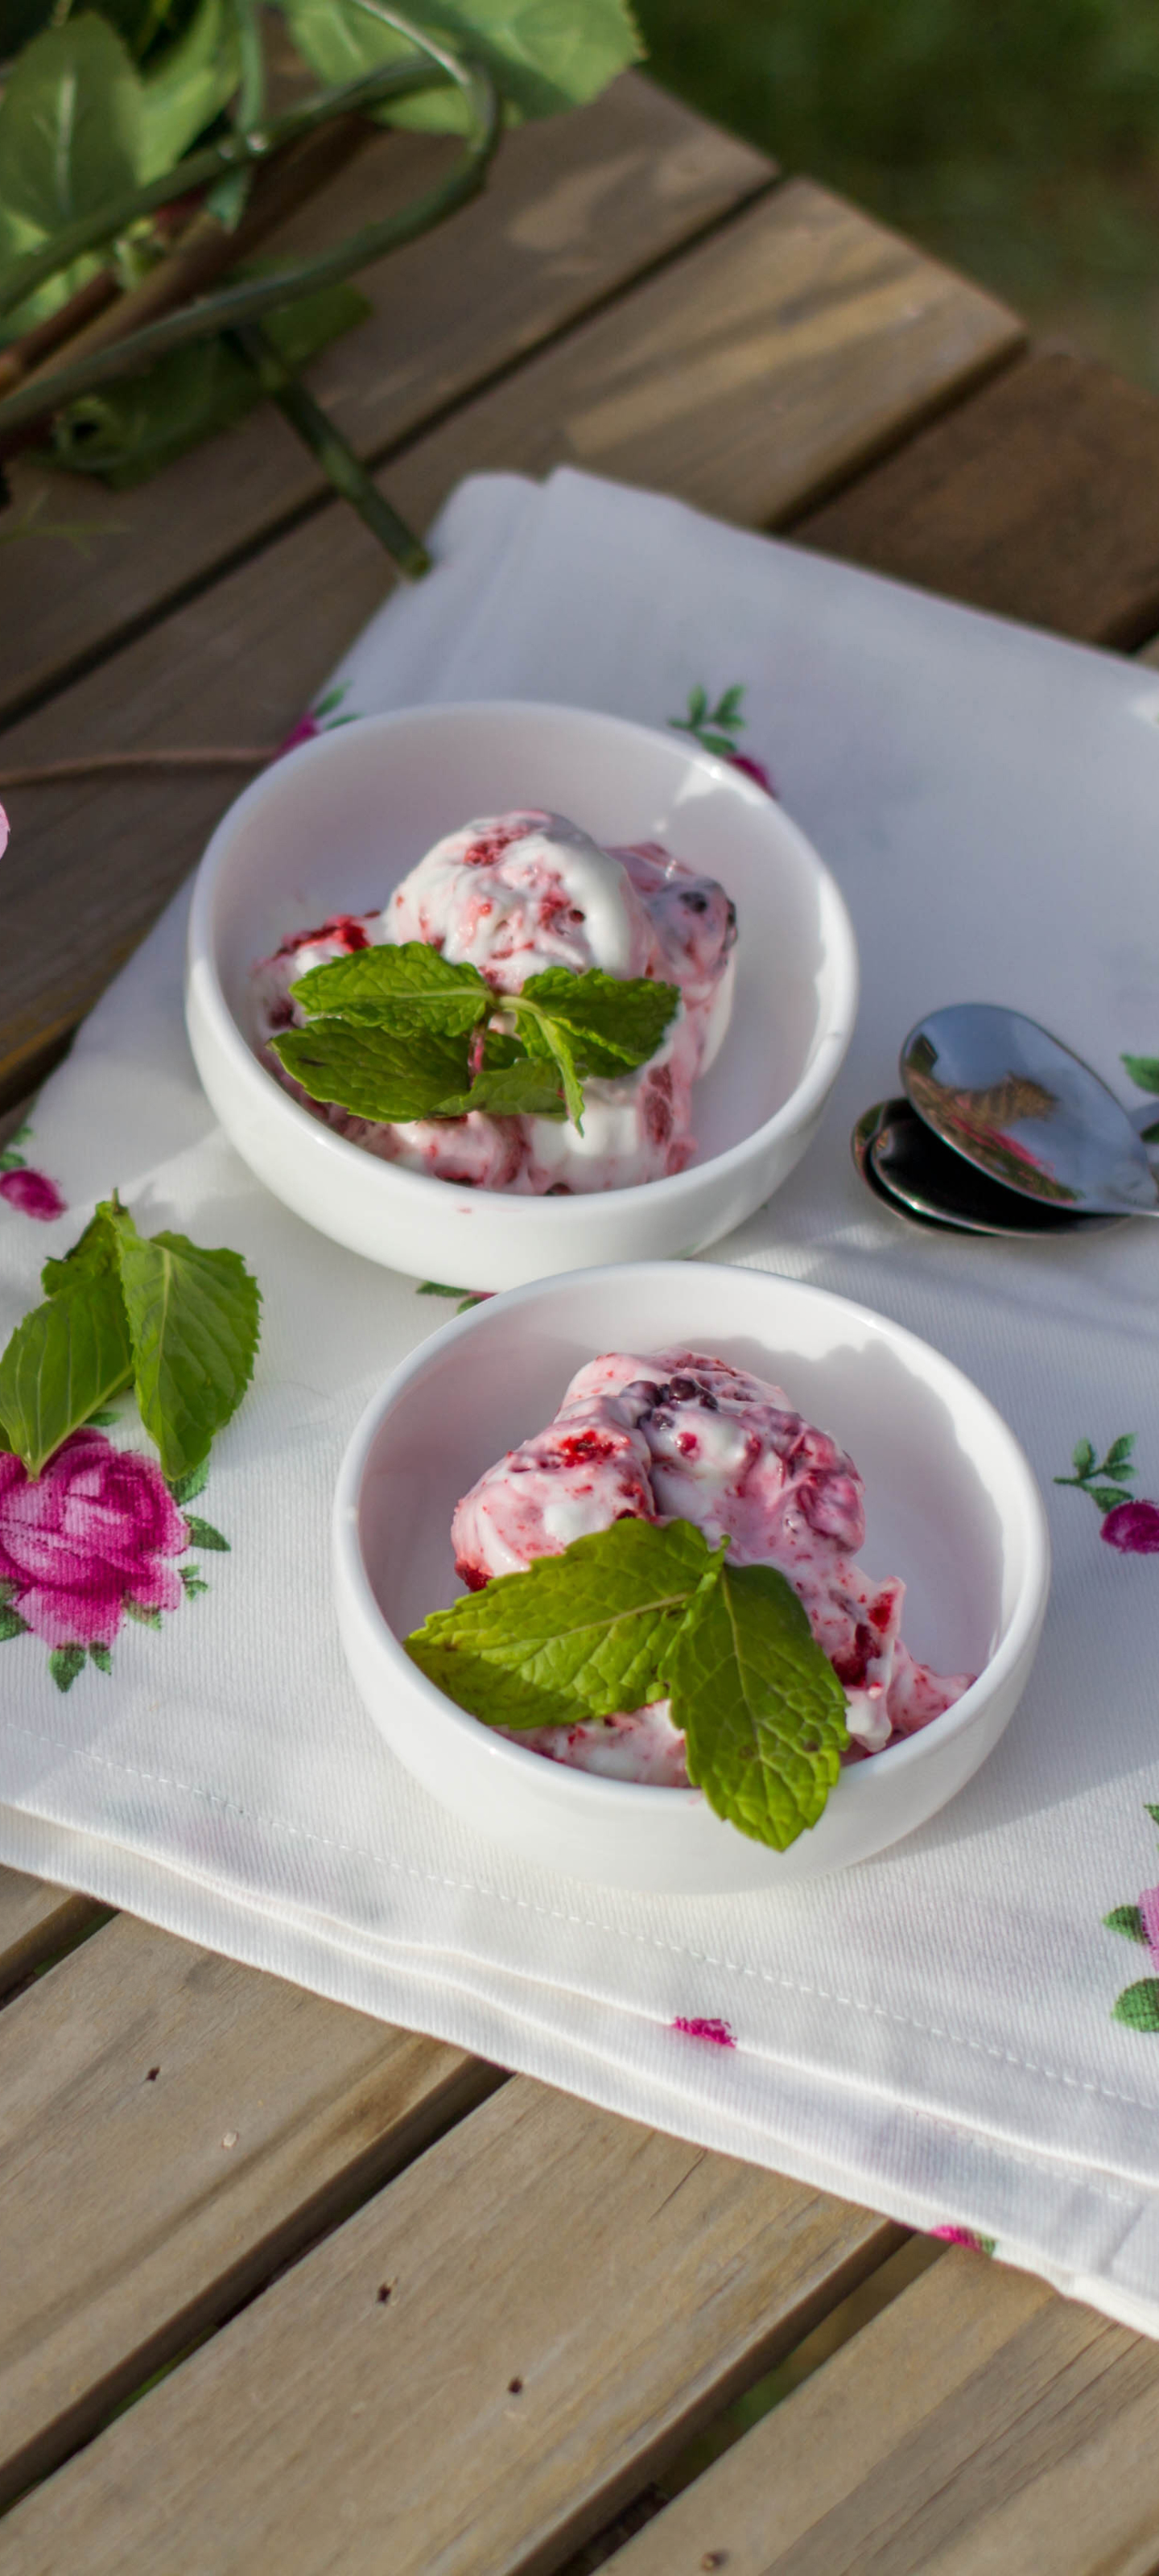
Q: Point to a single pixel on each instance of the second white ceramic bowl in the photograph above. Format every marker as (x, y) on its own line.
(336, 825)
(952, 1507)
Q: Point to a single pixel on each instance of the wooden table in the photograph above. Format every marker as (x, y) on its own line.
(283, 2289)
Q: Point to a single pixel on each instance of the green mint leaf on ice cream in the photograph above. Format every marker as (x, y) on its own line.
(643, 1612)
(393, 1034)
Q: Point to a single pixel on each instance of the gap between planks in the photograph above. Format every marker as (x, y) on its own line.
(175, 2130)
(499, 2404)
(576, 211)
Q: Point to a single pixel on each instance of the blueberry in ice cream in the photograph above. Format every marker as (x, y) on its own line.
(514, 896)
(678, 1436)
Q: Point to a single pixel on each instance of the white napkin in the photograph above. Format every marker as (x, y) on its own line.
(934, 2032)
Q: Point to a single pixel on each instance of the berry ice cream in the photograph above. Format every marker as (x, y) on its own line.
(513, 895)
(682, 1437)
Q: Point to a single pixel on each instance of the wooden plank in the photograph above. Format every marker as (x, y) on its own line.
(981, 2426)
(772, 357)
(576, 207)
(569, 2295)
(1038, 498)
(172, 2128)
(37, 1922)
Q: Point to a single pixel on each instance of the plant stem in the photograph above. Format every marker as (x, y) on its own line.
(21, 356)
(334, 454)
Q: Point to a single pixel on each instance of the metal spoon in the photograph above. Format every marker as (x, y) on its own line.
(1016, 1104)
(908, 1166)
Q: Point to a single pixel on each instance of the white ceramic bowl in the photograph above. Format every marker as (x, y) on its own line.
(333, 828)
(952, 1507)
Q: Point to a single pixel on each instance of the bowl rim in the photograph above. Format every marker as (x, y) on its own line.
(598, 1793)
(205, 989)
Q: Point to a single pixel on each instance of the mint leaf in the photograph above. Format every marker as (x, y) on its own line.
(542, 56)
(761, 1708)
(64, 1361)
(1128, 1920)
(374, 1072)
(93, 1257)
(1138, 2006)
(193, 1325)
(575, 1636)
(70, 142)
(592, 1024)
(1143, 1070)
(518, 1090)
(409, 987)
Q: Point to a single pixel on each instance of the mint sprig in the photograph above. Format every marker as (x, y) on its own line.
(178, 1323)
(642, 1612)
(393, 1034)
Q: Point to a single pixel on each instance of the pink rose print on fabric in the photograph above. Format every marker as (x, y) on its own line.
(1130, 1522)
(30, 1191)
(1138, 2004)
(717, 728)
(965, 2236)
(717, 2033)
(3, 831)
(91, 1542)
(320, 718)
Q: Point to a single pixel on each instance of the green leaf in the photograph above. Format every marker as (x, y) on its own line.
(592, 1024)
(1106, 1496)
(193, 1582)
(1119, 1455)
(64, 1663)
(1082, 1461)
(193, 1325)
(1143, 1070)
(143, 1618)
(66, 1358)
(104, 1415)
(128, 431)
(94, 1256)
(438, 1288)
(575, 1636)
(544, 55)
(408, 987)
(762, 1710)
(697, 708)
(1128, 1920)
(192, 82)
(727, 711)
(70, 142)
(373, 1072)
(519, 1090)
(203, 1534)
(1138, 2006)
(11, 1624)
(100, 1656)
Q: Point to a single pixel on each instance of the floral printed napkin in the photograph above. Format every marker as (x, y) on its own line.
(965, 2032)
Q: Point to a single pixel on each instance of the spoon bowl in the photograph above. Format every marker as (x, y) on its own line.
(1017, 1106)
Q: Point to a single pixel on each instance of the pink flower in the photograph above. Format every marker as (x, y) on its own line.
(3, 831)
(716, 2032)
(88, 1538)
(752, 769)
(1133, 1528)
(32, 1192)
(964, 2236)
(303, 731)
(1149, 1916)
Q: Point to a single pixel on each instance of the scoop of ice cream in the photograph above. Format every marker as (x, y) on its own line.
(513, 894)
(682, 1436)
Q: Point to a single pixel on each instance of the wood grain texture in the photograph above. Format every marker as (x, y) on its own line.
(173, 2127)
(1037, 498)
(35, 1923)
(981, 2426)
(770, 358)
(576, 207)
(569, 2294)
(762, 367)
